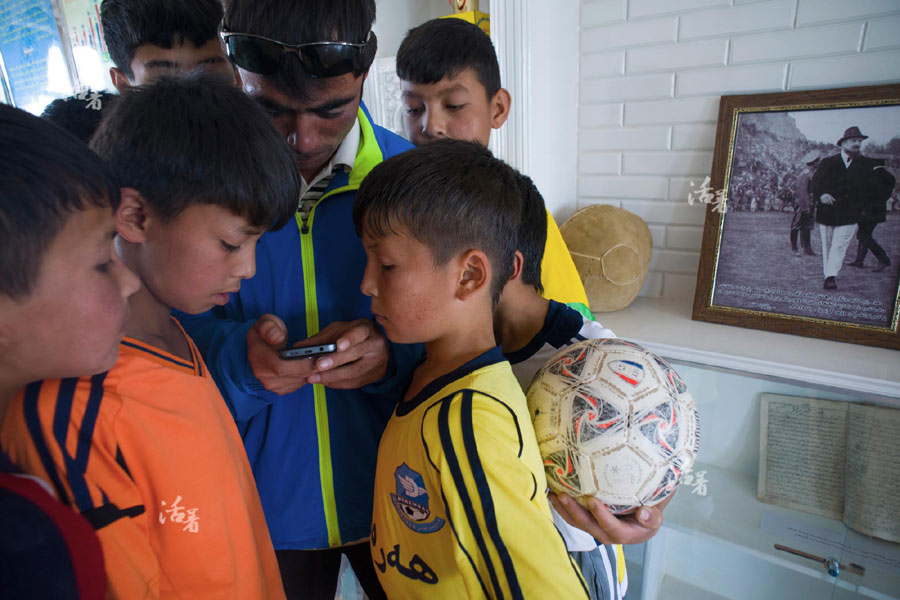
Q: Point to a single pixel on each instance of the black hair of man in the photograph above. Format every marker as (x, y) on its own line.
(452, 196)
(298, 22)
(199, 140)
(80, 114)
(46, 176)
(532, 233)
(128, 24)
(445, 47)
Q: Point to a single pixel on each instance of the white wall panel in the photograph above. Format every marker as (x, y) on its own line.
(680, 57)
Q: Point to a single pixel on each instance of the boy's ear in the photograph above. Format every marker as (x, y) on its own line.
(8, 317)
(475, 274)
(132, 216)
(500, 104)
(119, 80)
(518, 263)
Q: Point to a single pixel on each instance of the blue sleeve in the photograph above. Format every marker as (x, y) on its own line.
(402, 361)
(223, 344)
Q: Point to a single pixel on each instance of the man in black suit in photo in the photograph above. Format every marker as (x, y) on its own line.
(847, 188)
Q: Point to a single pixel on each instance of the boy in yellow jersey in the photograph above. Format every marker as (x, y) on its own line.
(530, 330)
(148, 451)
(450, 82)
(459, 508)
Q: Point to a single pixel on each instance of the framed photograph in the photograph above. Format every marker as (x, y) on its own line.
(802, 231)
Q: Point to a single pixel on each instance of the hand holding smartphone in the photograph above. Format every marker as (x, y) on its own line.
(308, 351)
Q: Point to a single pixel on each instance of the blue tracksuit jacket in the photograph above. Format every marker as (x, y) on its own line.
(313, 451)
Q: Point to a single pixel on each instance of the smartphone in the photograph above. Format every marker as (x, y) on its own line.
(308, 351)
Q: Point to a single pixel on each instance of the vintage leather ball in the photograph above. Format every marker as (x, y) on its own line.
(611, 248)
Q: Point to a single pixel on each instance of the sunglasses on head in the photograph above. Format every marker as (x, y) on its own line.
(263, 55)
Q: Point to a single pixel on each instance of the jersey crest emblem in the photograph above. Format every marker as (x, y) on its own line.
(630, 371)
(411, 501)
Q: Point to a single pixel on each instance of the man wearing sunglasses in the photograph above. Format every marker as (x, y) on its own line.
(310, 433)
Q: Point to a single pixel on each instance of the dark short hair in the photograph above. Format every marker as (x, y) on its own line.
(128, 24)
(300, 21)
(532, 233)
(199, 140)
(46, 175)
(80, 114)
(443, 48)
(452, 196)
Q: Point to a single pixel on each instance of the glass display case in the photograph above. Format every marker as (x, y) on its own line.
(796, 489)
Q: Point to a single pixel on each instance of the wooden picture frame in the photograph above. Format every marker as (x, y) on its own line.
(749, 274)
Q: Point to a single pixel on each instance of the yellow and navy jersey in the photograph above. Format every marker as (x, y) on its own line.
(460, 507)
(559, 276)
(149, 454)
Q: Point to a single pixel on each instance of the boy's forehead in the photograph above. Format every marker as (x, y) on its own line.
(217, 217)
(85, 230)
(320, 94)
(464, 80)
(383, 235)
(151, 61)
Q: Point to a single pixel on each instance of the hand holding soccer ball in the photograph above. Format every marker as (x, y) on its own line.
(605, 527)
(615, 422)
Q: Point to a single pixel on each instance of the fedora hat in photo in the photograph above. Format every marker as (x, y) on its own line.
(852, 132)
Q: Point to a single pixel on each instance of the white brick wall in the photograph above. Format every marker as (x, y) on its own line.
(610, 89)
(765, 16)
(602, 13)
(651, 73)
(672, 57)
(600, 115)
(631, 138)
(602, 64)
(882, 34)
(648, 188)
(600, 163)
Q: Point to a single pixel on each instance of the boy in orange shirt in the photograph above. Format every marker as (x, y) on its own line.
(62, 309)
(148, 451)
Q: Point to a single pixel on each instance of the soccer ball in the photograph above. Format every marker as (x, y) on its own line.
(613, 421)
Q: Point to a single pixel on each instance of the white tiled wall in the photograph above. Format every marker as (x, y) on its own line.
(650, 76)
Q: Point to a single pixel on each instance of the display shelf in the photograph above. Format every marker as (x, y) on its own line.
(673, 588)
(669, 587)
(665, 327)
(722, 545)
(732, 555)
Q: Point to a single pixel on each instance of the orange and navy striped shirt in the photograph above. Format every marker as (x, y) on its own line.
(150, 455)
